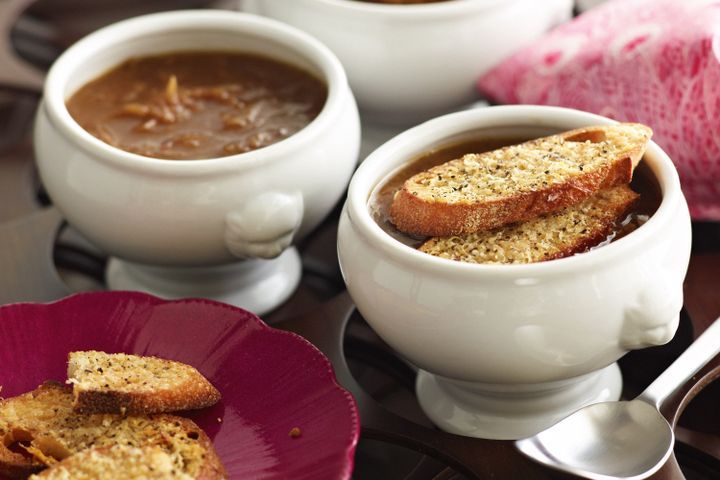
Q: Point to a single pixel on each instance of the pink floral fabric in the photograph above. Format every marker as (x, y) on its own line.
(651, 61)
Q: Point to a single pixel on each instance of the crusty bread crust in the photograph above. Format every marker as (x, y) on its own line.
(54, 432)
(419, 209)
(124, 462)
(558, 234)
(212, 468)
(95, 392)
(188, 396)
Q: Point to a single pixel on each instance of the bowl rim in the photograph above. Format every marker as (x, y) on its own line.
(432, 132)
(429, 10)
(229, 23)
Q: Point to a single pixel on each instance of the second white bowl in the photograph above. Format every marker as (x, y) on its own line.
(506, 350)
(407, 63)
(198, 213)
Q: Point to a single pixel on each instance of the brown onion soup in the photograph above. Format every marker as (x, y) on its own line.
(197, 105)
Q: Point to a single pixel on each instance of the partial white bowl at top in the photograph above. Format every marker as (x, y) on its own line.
(507, 350)
(407, 63)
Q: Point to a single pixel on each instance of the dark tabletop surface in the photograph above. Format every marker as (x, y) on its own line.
(396, 435)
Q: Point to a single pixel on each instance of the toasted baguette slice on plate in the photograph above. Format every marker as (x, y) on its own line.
(554, 235)
(44, 425)
(132, 384)
(519, 182)
(120, 462)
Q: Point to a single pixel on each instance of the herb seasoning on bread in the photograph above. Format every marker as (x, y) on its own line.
(558, 234)
(513, 200)
(480, 191)
(40, 428)
(129, 384)
(120, 462)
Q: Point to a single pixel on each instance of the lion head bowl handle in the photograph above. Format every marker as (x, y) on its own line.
(265, 226)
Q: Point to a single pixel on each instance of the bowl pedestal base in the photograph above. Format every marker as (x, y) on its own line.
(256, 285)
(510, 412)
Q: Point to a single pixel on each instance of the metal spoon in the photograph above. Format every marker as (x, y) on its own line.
(627, 440)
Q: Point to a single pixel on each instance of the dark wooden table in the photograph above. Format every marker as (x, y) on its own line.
(398, 441)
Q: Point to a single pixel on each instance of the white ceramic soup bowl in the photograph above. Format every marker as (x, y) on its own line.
(180, 228)
(407, 63)
(507, 350)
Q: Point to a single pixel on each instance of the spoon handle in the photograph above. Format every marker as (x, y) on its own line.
(697, 355)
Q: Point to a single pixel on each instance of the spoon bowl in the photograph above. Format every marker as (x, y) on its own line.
(627, 440)
(619, 440)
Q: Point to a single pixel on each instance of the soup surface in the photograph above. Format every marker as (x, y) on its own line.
(197, 105)
(643, 183)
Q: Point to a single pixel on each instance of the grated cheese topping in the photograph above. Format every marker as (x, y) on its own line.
(550, 236)
(120, 462)
(531, 166)
(45, 418)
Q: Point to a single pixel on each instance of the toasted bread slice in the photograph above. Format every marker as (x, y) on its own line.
(554, 235)
(516, 183)
(40, 428)
(131, 384)
(120, 462)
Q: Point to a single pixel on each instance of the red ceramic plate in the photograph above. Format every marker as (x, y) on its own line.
(271, 381)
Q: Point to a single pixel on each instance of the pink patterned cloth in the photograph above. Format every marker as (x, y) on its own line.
(651, 61)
